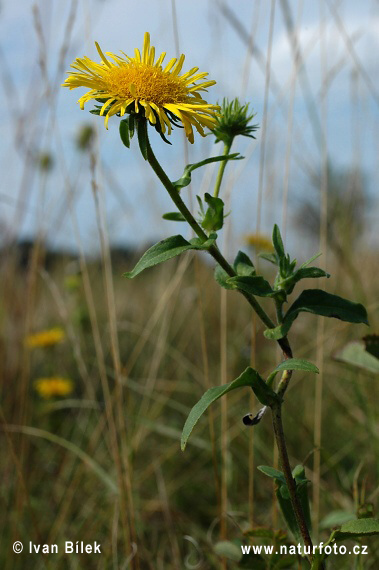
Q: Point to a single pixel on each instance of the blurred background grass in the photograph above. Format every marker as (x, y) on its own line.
(104, 462)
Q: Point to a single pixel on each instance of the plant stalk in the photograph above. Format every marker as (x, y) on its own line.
(285, 465)
(283, 342)
(220, 174)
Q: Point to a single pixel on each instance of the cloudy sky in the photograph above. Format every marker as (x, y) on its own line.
(316, 61)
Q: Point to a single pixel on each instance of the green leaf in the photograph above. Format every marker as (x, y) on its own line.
(214, 216)
(160, 252)
(296, 364)
(357, 528)
(271, 257)
(288, 512)
(174, 217)
(197, 243)
(355, 353)
(253, 284)
(247, 378)
(124, 132)
(336, 518)
(142, 137)
(322, 303)
(303, 273)
(185, 180)
(222, 277)
(278, 243)
(243, 265)
(319, 302)
(228, 549)
(273, 473)
(252, 561)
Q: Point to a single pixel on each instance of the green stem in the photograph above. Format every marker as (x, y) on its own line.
(285, 465)
(213, 249)
(227, 147)
(283, 342)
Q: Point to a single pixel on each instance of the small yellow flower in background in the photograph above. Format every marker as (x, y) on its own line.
(45, 338)
(55, 386)
(143, 86)
(261, 242)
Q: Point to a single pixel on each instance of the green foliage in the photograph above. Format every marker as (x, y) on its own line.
(356, 354)
(142, 137)
(233, 121)
(248, 378)
(296, 364)
(163, 251)
(283, 496)
(185, 180)
(214, 216)
(174, 217)
(242, 265)
(253, 284)
(124, 132)
(319, 302)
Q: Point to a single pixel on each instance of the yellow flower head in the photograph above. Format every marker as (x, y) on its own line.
(259, 242)
(45, 338)
(55, 386)
(143, 86)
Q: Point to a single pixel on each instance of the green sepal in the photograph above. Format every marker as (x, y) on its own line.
(247, 378)
(319, 302)
(142, 137)
(174, 217)
(214, 216)
(185, 180)
(124, 132)
(253, 284)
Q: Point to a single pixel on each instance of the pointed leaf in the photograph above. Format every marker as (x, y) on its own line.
(214, 216)
(222, 277)
(278, 242)
(185, 180)
(160, 252)
(174, 217)
(297, 364)
(319, 302)
(253, 284)
(243, 265)
(273, 473)
(357, 528)
(247, 378)
(271, 257)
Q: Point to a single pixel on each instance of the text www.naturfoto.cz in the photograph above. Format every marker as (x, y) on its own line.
(302, 550)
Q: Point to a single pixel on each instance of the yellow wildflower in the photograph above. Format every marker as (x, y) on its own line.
(143, 86)
(45, 338)
(259, 241)
(54, 386)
